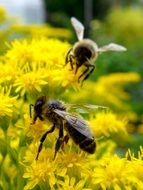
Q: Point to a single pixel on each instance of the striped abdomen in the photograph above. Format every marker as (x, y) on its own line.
(85, 143)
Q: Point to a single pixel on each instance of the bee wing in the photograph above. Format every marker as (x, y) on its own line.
(85, 108)
(79, 28)
(76, 122)
(112, 47)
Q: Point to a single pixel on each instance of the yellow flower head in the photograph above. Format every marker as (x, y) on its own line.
(41, 52)
(7, 74)
(37, 64)
(6, 103)
(40, 172)
(43, 171)
(108, 90)
(71, 184)
(106, 123)
(111, 172)
(30, 82)
(41, 30)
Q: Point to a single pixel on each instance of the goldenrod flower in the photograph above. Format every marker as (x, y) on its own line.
(107, 90)
(41, 52)
(43, 171)
(41, 30)
(38, 64)
(136, 166)
(7, 74)
(106, 123)
(31, 82)
(36, 131)
(6, 103)
(40, 172)
(75, 163)
(34, 67)
(71, 184)
(111, 172)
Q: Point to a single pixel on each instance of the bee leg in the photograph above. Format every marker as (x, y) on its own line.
(65, 141)
(88, 64)
(69, 59)
(59, 141)
(43, 139)
(86, 70)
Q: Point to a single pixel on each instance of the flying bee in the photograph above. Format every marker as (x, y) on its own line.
(85, 51)
(76, 127)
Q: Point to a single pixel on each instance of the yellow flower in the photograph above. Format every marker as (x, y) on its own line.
(42, 52)
(37, 130)
(111, 172)
(66, 78)
(140, 153)
(40, 172)
(111, 88)
(41, 30)
(38, 64)
(107, 123)
(75, 163)
(7, 74)
(6, 103)
(108, 90)
(136, 166)
(71, 184)
(31, 82)
(44, 171)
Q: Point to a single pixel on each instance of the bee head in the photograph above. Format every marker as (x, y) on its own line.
(38, 108)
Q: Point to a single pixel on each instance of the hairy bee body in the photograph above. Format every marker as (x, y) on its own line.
(85, 49)
(85, 52)
(48, 111)
(77, 128)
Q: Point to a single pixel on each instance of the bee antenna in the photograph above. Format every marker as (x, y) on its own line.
(30, 110)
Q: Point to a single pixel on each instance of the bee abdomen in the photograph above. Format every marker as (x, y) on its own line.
(88, 145)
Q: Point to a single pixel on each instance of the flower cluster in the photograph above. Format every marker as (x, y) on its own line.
(28, 72)
(41, 30)
(108, 90)
(33, 67)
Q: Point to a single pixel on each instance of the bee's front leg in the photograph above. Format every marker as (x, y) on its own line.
(65, 141)
(69, 59)
(86, 74)
(59, 141)
(93, 67)
(43, 139)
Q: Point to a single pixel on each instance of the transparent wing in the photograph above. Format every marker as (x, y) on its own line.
(79, 28)
(76, 122)
(112, 47)
(84, 108)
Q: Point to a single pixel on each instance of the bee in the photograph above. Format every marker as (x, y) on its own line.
(85, 51)
(76, 127)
